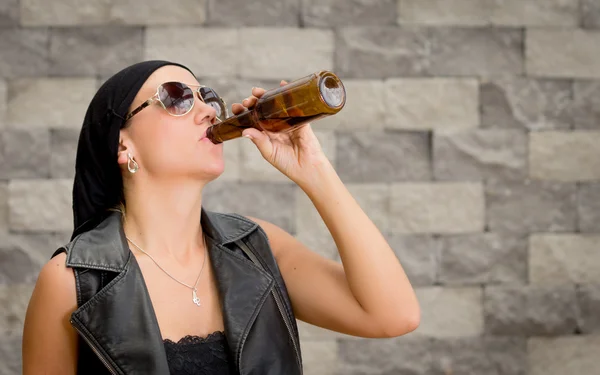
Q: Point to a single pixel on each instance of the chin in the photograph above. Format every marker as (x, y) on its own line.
(212, 171)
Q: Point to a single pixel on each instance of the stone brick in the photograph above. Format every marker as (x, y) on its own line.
(3, 160)
(530, 311)
(564, 259)
(64, 12)
(418, 255)
(476, 51)
(398, 156)
(66, 110)
(63, 149)
(433, 103)
(3, 100)
(444, 12)
(588, 207)
(462, 312)
(10, 355)
(26, 153)
(319, 357)
(24, 53)
(563, 355)
(23, 255)
(40, 205)
(523, 103)
(563, 53)
(231, 13)
(488, 258)
(336, 13)
(365, 107)
(3, 206)
(564, 156)
(310, 228)
(531, 206)
(477, 155)
(150, 12)
(423, 356)
(400, 355)
(175, 44)
(14, 300)
(588, 298)
(94, 51)
(289, 54)
(382, 52)
(9, 13)
(480, 355)
(585, 112)
(157, 12)
(489, 12)
(437, 208)
(552, 13)
(590, 14)
(268, 201)
(254, 167)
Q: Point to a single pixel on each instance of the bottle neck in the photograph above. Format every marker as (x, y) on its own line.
(233, 127)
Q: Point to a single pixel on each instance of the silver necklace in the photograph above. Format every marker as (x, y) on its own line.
(194, 288)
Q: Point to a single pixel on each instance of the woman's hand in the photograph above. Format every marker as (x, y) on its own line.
(295, 154)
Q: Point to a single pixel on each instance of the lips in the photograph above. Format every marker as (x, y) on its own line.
(203, 134)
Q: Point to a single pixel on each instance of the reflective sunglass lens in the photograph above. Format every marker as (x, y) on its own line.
(177, 97)
(210, 97)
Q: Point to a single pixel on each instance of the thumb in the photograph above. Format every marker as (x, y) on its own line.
(260, 139)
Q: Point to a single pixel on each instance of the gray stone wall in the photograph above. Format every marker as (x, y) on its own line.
(471, 136)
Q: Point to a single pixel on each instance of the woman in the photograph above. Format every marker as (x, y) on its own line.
(163, 285)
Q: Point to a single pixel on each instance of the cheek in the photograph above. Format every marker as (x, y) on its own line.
(165, 135)
(182, 149)
(176, 147)
(154, 141)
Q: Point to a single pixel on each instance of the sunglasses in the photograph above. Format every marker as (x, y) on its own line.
(178, 99)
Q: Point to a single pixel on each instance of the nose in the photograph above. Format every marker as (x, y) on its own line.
(204, 112)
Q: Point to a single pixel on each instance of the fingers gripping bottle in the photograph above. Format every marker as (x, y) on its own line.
(286, 108)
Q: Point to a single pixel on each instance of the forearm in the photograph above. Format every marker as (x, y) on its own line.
(374, 273)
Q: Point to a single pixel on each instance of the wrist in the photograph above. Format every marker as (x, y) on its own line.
(319, 179)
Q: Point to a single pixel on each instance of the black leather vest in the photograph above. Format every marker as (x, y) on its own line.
(117, 326)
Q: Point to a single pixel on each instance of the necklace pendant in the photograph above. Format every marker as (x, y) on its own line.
(195, 298)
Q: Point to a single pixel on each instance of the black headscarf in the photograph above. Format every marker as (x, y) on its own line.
(98, 183)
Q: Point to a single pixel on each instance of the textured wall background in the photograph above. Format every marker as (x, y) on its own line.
(471, 136)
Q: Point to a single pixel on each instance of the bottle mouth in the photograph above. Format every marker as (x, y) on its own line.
(332, 91)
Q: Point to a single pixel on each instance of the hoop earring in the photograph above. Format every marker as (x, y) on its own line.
(132, 165)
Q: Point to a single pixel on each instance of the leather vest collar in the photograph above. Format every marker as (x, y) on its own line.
(105, 247)
(119, 321)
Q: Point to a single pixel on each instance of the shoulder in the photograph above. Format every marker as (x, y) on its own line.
(54, 297)
(49, 342)
(56, 279)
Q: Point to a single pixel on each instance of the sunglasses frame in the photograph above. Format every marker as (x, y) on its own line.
(156, 98)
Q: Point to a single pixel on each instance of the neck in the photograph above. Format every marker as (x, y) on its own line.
(163, 217)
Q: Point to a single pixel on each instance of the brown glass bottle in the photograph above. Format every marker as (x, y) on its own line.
(286, 108)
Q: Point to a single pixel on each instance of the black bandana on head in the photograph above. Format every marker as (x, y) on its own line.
(98, 183)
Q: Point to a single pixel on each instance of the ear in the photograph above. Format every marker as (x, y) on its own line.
(125, 147)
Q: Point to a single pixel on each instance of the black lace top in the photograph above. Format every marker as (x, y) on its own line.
(199, 355)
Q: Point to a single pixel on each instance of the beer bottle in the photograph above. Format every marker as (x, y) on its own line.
(286, 108)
